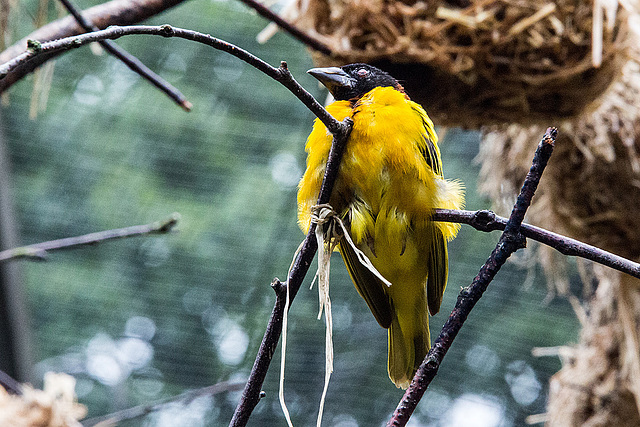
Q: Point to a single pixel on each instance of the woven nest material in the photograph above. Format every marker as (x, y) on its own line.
(599, 384)
(590, 191)
(474, 62)
(591, 188)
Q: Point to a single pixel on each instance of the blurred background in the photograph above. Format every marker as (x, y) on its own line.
(139, 320)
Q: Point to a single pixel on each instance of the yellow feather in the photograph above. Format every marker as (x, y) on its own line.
(389, 182)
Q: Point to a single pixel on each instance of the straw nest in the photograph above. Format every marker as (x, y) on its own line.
(591, 188)
(590, 191)
(477, 62)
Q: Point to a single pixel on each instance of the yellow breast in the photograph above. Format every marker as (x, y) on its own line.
(389, 182)
(383, 171)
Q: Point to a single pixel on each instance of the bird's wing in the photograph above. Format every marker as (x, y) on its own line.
(438, 268)
(370, 288)
(431, 154)
(438, 261)
(428, 146)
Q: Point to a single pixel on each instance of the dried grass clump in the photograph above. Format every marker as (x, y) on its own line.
(474, 62)
(599, 384)
(591, 188)
(55, 406)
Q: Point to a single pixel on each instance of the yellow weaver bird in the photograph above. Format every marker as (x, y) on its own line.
(389, 182)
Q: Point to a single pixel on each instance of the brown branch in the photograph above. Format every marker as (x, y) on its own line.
(281, 74)
(510, 241)
(115, 12)
(9, 384)
(484, 220)
(251, 394)
(39, 251)
(295, 32)
(142, 410)
(129, 60)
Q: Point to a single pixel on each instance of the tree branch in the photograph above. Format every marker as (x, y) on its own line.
(142, 410)
(9, 384)
(251, 394)
(295, 32)
(39, 251)
(484, 220)
(115, 12)
(309, 247)
(510, 241)
(37, 49)
(129, 60)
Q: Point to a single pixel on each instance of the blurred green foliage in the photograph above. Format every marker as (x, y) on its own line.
(143, 319)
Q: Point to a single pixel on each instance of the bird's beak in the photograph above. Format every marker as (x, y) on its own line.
(333, 78)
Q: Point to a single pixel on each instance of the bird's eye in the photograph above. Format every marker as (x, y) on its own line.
(362, 72)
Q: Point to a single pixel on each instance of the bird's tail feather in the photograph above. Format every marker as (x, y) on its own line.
(409, 342)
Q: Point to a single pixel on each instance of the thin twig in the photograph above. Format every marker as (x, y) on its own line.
(114, 12)
(129, 60)
(252, 390)
(510, 241)
(251, 393)
(305, 38)
(39, 251)
(485, 220)
(9, 384)
(142, 410)
(280, 74)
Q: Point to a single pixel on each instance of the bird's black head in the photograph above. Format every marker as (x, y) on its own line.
(353, 80)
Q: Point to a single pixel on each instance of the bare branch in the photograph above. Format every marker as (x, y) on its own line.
(251, 393)
(510, 241)
(295, 32)
(142, 410)
(37, 49)
(252, 390)
(115, 12)
(484, 220)
(39, 251)
(9, 384)
(129, 60)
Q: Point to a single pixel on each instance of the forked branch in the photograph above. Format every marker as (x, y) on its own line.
(281, 74)
(484, 220)
(511, 240)
(309, 247)
(114, 12)
(129, 60)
